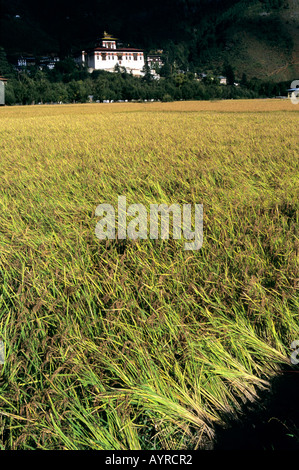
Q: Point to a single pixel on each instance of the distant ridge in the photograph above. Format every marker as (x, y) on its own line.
(258, 37)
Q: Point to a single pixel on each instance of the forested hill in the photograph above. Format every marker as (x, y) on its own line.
(258, 37)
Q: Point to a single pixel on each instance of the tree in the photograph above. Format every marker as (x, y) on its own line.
(6, 69)
(165, 70)
(229, 73)
(77, 91)
(244, 81)
(147, 73)
(10, 97)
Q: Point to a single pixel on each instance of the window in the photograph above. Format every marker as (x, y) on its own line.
(135, 55)
(104, 56)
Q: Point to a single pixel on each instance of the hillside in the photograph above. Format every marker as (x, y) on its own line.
(265, 43)
(259, 38)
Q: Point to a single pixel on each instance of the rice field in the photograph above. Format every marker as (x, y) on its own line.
(128, 345)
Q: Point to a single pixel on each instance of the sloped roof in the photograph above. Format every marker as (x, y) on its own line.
(121, 49)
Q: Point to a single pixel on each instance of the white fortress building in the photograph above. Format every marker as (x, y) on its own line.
(108, 56)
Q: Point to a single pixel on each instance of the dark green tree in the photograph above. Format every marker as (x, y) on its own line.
(229, 73)
(6, 70)
(244, 81)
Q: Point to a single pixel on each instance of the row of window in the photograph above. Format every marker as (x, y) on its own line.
(119, 57)
(110, 44)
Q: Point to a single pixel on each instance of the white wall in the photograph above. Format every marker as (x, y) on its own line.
(96, 61)
(2, 93)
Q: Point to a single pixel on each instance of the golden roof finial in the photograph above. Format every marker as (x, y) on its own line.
(108, 36)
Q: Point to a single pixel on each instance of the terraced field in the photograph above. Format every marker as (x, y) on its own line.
(121, 344)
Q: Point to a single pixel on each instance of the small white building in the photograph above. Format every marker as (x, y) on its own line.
(26, 61)
(108, 56)
(2, 91)
(49, 61)
(222, 80)
(154, 61)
